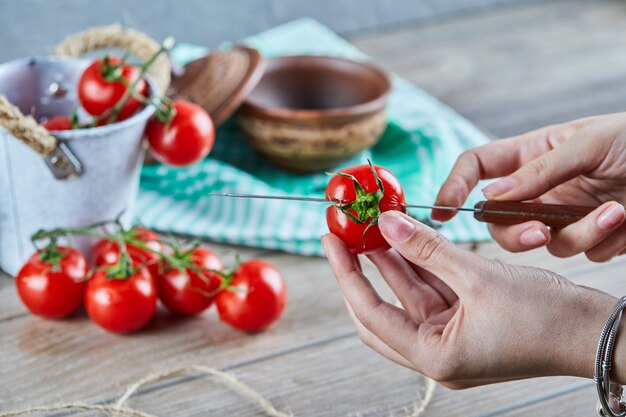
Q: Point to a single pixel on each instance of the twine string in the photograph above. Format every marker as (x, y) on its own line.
(25, 128)
(236, 384)
(118, 408)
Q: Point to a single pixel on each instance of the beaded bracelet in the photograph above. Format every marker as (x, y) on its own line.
(610, 393)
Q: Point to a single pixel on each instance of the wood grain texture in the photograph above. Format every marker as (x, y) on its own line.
(516, 69)
(311, 354)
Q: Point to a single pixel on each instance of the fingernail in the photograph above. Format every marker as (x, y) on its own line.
(533, 237)
(611, 216)
(394, 226)
(499, 187)
(324, 244)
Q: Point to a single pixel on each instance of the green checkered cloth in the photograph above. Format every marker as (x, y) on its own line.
(420, 145)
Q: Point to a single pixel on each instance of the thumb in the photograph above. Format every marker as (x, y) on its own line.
(428, 249)
(543, 173)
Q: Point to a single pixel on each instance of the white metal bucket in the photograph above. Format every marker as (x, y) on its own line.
(31, 198)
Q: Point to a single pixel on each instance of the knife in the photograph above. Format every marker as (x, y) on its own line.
(495, 212)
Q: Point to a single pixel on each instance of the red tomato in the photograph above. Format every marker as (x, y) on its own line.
(257, 300)
(187, 139)
(51, 291)
(185, 292)
(58, 123)
(103, 84)
(107, 252)
(121, 305)
(342, 189)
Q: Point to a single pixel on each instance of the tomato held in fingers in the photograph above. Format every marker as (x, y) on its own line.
(104, 83)
(183, 138)
(121, 304)
(52, 282)
(359, 197)
(187, 291)
(257, 298)
(107, 252)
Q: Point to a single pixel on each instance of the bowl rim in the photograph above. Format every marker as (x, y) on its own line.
(370, 106)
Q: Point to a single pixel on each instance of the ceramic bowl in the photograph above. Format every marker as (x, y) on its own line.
(310, 113)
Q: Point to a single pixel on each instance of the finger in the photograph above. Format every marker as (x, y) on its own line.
(417, 297)
(612, 246)
(520, 237)
(389, 323)
(546, 171)
(493, 160)
(428, 249)
(442, 288)
(496, 159)
(372, 341)
(588, 232)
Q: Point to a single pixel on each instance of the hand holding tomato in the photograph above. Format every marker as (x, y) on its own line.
(256, 298)
(188, 291)
(51, 283)
(360, 194)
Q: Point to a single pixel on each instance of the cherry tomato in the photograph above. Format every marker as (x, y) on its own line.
(186, 139)
(51, 290)
(121, 305)
(189, 292)
(58, 123)
(257, 300)
(344, 190)
(107, 252)
(104, 82)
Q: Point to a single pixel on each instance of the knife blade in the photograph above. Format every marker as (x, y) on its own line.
(323, 200)
(495, 212)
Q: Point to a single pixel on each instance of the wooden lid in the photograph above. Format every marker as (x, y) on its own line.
(220, 81)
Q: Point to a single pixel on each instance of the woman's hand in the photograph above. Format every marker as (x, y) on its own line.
(582, 163)
(468, 320)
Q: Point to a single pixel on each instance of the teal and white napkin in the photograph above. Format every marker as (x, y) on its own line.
(420, 145)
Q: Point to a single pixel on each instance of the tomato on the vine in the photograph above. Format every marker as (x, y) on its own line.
(121, 304)
(107, 252)
(105, 81)
(180, 135)
(256, 298)
(58, 123)
(190, 291)
(52, 282)
(359, 197)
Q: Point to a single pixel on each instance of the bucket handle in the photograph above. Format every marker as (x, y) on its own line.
(59, 158)
(26, 128)
(117, 36)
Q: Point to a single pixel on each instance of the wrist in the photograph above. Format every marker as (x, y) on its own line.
(579, 343)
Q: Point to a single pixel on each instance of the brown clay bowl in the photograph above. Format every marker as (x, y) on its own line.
(310, 113)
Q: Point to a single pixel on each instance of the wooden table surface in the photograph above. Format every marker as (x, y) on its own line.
(508, 70)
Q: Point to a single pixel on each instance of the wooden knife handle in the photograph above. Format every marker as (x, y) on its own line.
(512, 212)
